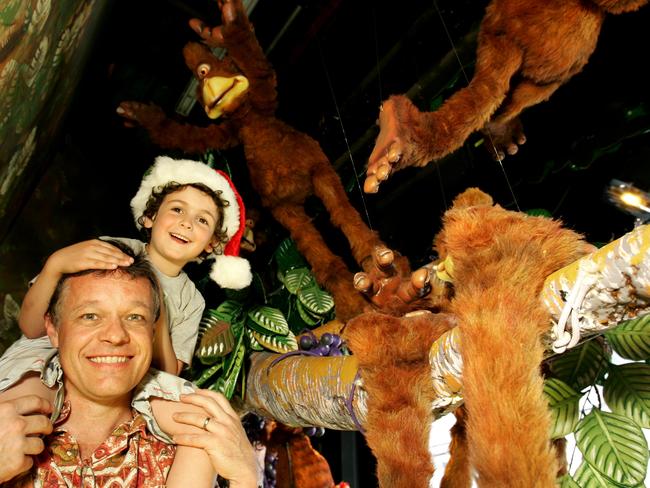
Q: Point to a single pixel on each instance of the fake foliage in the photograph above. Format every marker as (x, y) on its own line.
(613, 444)
(253, 320)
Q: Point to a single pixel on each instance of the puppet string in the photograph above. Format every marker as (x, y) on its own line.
(489, 136)
(345, 137)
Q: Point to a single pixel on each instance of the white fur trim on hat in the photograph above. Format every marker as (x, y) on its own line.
(231, 272)
(185, 171)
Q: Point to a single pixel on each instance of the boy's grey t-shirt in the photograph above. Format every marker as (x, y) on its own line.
(183, 302)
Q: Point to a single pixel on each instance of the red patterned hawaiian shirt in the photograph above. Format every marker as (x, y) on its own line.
(129, 458)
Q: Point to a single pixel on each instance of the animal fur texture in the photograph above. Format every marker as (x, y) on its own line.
(285, 165)
(526, 50)
(500, 261)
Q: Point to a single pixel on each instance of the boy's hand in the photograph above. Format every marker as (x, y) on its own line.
(93, 254)
(22, 420)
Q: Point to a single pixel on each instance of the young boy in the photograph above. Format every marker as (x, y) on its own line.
(188, 211)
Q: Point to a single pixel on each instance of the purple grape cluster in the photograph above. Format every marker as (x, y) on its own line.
(327, 345)
(314, 431)
(270, 469)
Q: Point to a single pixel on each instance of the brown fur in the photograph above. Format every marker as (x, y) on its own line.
(501, 260)
(526, 50)
(285, 165)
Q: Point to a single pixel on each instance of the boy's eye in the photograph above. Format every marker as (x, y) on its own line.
(177, 209)
(203, 221)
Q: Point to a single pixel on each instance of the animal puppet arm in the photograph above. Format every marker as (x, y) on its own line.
(409, 137)
(237, 35)
(170, 134)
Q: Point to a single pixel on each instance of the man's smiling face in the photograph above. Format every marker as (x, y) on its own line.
(104, 333)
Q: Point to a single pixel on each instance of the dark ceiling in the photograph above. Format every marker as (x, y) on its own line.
(336, 60)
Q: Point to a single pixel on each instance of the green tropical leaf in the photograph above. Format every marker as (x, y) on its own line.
(563, 402)
(209, 373)
(216, 341)
(288, 257)
(226, 311)
(306, 315)
(316, 300)
(581, 366)
(627, 392)
(277, 343)
(298, 278)
(588, 477)
(267, 320)
(567, 482)
(252, 342)
(228, 381)
(613, 446)
(631, 339)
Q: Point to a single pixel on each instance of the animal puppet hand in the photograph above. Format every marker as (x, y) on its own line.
(503, 138)
(232, 12)
(393, 289)
(144, 114)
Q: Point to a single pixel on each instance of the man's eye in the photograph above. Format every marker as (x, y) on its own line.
(135, 317)
(89, 316)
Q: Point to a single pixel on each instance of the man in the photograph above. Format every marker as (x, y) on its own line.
(102, 324)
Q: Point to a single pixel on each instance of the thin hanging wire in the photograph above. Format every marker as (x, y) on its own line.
(462, 68)
(345, 136)
(374, 28)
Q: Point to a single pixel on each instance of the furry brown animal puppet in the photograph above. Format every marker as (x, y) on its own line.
(526, 50)
(500, 261)
(285, 166)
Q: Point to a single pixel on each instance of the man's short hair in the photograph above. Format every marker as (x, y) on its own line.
(140, 268)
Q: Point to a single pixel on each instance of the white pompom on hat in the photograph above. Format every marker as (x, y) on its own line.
(228, 270)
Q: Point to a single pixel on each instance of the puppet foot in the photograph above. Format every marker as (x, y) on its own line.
(504, 138)
(389, 284)
(388, 150)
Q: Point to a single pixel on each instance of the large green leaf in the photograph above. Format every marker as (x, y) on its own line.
(563, 402)
(268, 320)
(233, 366)
(567, 482)
(226, 311)
(307, 317)
(277, 343)
(316, 300)
(298, 278)
(588, 477)
(288, 257)
(580, 366)
(614, 446)
(627, 392)
(631, 339)
(216, 341)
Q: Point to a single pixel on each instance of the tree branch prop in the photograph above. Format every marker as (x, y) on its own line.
(588, 297)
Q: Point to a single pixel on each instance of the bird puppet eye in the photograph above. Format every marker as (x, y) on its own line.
(203, 70)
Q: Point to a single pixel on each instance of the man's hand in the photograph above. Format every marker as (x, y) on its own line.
(21, 421)
(224, 440)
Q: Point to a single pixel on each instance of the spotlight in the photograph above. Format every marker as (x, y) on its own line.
(630, 199)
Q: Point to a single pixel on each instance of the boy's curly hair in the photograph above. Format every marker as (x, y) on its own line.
(159, 193)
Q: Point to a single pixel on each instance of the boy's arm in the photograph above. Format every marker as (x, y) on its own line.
(93, 254)
(164, 357)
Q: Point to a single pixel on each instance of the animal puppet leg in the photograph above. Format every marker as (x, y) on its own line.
(505, 133)
(328, 187)
(409, 137)
(330, 270)
(458, 473)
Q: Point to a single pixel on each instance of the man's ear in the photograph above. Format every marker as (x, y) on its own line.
(52, 331)
(147, 222)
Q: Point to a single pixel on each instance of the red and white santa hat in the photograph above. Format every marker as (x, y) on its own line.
(228, 270)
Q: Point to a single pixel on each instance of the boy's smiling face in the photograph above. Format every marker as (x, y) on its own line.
(182, 229)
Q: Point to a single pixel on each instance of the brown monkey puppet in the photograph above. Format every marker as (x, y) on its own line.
(286, 166)
(500, 262)
(526, 50)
